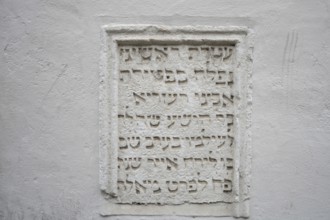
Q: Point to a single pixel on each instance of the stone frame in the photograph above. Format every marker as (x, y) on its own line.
(108, 122)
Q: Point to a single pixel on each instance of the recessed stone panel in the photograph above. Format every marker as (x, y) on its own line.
(174, 117)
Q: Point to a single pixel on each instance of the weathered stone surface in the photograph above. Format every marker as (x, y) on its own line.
(174, 120)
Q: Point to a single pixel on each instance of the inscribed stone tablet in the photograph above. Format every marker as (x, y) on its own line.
(174, 120)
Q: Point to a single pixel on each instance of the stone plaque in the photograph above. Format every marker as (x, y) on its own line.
(174, 117)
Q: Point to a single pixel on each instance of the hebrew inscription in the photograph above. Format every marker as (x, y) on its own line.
(175, 120)
(176, 123)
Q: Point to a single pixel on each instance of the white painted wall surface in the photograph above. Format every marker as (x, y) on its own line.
(49, 72)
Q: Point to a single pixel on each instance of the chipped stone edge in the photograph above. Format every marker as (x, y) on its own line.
(108, 100)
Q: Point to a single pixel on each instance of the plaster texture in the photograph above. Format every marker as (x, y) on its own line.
(49, 102)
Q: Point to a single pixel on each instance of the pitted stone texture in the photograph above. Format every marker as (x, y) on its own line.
(175, 104)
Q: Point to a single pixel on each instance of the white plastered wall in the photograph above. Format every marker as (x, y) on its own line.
(49, 77)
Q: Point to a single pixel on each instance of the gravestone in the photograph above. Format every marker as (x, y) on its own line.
(174, 120)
